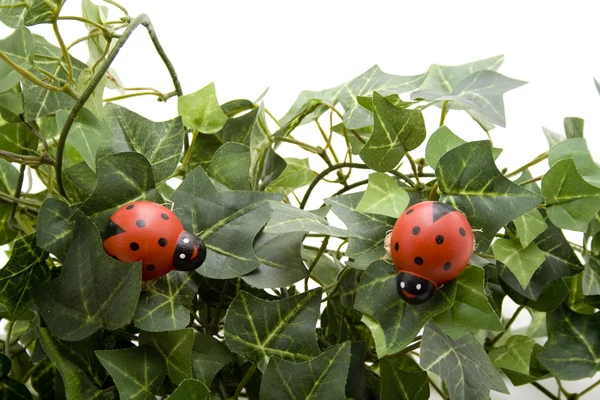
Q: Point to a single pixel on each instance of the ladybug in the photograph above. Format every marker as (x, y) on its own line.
(151, 233)
(431, 244)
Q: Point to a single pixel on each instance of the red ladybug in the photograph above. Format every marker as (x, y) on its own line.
(151, 233)
(431, 244)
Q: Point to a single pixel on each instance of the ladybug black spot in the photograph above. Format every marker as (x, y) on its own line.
(418, 260)
(116, 258)
(140, 223)
(416, 230)
(396, 246)
(439, 239)
(409, 211)
(134, 246)
(129, 207)
(462, 232)
(164, 216)
(447, 266)
(162, 242)
(150, 267)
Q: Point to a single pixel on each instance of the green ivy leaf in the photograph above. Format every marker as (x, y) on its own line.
(469, 180)
(8, 184)
(394, 323)
(25, 269)
(552, 295)
(529, 226)
(164, 306)
(18, 47)
(323, 377)
(209, 356)
(159, 142)
(571, 351)
(11, 103)
(514, 355)
(175, 347)
(368, 230)
(138, 371)
(98, 14)
(201, 111)
(218, 217)
(93, 290)
(46, 55)
(367, 101)
(296, 174)
(55, 227)
(523, 262)
(536, 370)
(43, 379)
(462, 364)
(12, 12)
(41, 12)
(340, 323)
(571, 201)
(573, 127)
(326, 270)
(39, 101)
(403, 379)
(288, 219)
(577, 150)
(203, 149)
(230, 165)
(191, 389)
(80, 182)
(383, 196)
(396, 131)
(591, 276)
(258, 330)
(471, 310)
(13, 389)
(17, 138)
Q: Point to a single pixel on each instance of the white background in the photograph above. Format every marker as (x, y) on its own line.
(247, 46)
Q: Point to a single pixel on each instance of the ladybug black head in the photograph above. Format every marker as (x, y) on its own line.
(413, 289)
(190, 252)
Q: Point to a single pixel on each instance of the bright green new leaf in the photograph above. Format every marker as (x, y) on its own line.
(209, 356)
(403, 379)
(577, 150)
(462, 364)
(571, 201)
(259, 330)
(322, 377)
(393, 322)
(529, 226)
(469, 180)
(522, 261)
(573, 347)
(573, 127)
(396, 131)
(12, 12)
(165, 306)
(230, 165)
(25, 269)
(201, 111)
(191, 389)
(514, 355)
(175, 347)
(137, 372)
(93, 290)
(8, 183)
(296, 174)
(383, 196)
(18, 47)
(287, 219)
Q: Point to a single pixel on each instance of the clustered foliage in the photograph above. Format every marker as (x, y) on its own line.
(80, 325)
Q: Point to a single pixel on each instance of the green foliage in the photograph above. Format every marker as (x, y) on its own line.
(297, 297)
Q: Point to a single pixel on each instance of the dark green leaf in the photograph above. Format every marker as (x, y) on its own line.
(258, 329)
(552, 295)
(327, 269)
(25, 269)
(203, 149)
(8, 184)
(296, 174)
(13, 389)
(462, 364)
(176, 349)
(13, 12)
(287, 219)
(402, 379)
(577, 150)
(80, 182)
(591, 277)
(160, 142)
(357, 386)
(138, 371)
(17, 138)
(209, 356)
(572, 350)
(201, 111)
(514, 355)
(529, 226)
(18, 47)
(323, 377)
(43, 379)
(93, 290)
(230, 165)
(340, 323)
(238, 129)
(396, 131)
(522, 262)
(573, 127)
(577, 300)
(41, 12)
(367, 101)
(469, 180)
(164, 306)
(191, 389)
(383, 196)
(394, 323)
(235, 107)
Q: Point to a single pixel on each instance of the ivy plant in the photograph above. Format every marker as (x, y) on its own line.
(296, 298)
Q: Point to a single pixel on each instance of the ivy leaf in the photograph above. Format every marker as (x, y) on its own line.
(340, 323)
(469, 180)
(327, 269)
(529, 226)
(8, 183)
(202, 150)
(25, 269)
(552, 295)
(296, 174)
(280, 260)
(11, 103)
(577, 150)
(571, 351)
(368, 230)
(39, 102)
(571, 201)
(175, 347)
(18, 47)
(17, 138)
(46, 55)
(92, 291)
(462, 364)
(41, 12)
(201, 111)
(230, 165)
(218, 217)
(536, 370)
(80, 182)
(471, 310)
(137, 372)
(12, 12)
(383, 196)
(55, 227)
(514, 355)
(394, 323)
(403, 379)
(288, 219)
(164, 306)
(523, 262)
(591, 277)
(191, 389)
(13, 389)
(43, 379)
(258, 330)
(239, 129)
(573, 127)
(209, 356)
(321, 377)
(159, 142)
(98, 14)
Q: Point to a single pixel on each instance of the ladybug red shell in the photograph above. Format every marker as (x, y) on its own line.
(431, 244)
(151, 233)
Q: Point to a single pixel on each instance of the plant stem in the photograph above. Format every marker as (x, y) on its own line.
(28, 75)
(120, 7)
(272, 117)
(444, 112)
(7, 341)
(588, 389)
(528, 181)
(140, 20)
(507, 326)
(84, 20)
(243, 382)
(128, 95)
(433, 191)
(351, 186)
(533, 162)
(410, 348)
(337, 285)
(316, 260)
(64, 51)
(13, 209)
(413, 166)
(437, 389)
(545, 391)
